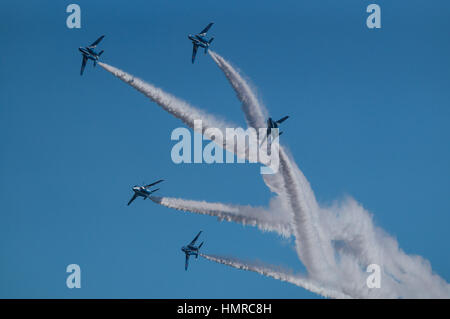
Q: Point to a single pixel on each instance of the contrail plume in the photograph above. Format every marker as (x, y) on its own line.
(277, 273)
(253, 109)
(246, 215)
(287, 184)
(190, 114)
(335, 243)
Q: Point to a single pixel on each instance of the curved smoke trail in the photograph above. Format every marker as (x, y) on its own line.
(277, 273)
(246, 215)
(349, 233)
(334, 243)
(255, 116)
(212, 128)
(309, 248)
(254, 111)
(175, 106)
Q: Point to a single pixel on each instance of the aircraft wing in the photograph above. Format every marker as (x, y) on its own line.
(203, 32)
(83, 64)
(186, 264)
(147, 186)
(94, 44)
(282, 119)
(194, 51)
(153, 191)
(195, 239)
(132, 199)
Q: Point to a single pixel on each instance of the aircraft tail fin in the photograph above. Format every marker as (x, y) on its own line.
(280, 133)
(101, 52)
(95, 63)
(211, 40)
(199, 246)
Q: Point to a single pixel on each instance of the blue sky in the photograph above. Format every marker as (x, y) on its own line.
(369, 118)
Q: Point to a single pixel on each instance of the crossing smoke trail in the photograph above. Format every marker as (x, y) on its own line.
(277, 273)
(253, 109)
(175, 106)
(254, 112)
(358, 243)
(179, 108)
(190, 114)
(313, 247)
(246, 215)
(347, 232)
(309, 248)
(335, 243)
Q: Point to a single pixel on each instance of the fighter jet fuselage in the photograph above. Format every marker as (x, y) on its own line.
(200, 40)
(191, 250)
(88, 53)
(143, 191)
(271, 124)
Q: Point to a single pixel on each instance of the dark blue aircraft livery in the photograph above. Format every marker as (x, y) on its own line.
(271, 124)
(143, 191)
(274, 124)
(191, 250)
(200, 40)
(89, 53)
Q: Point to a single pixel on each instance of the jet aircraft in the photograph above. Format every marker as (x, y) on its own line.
(89, 53)
(191, 249)
(143, 191)
(274, 124)
(271, 124)
(200, 40)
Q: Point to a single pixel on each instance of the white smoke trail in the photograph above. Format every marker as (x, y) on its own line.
(349, 234)
(335, 243)
(188, 114)
(286, 184)
(277, 273)
(175, 106)
(253, 109)
(179, 108)
(212, 128)
(308, 244)
(246, 215)
(358, 243)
